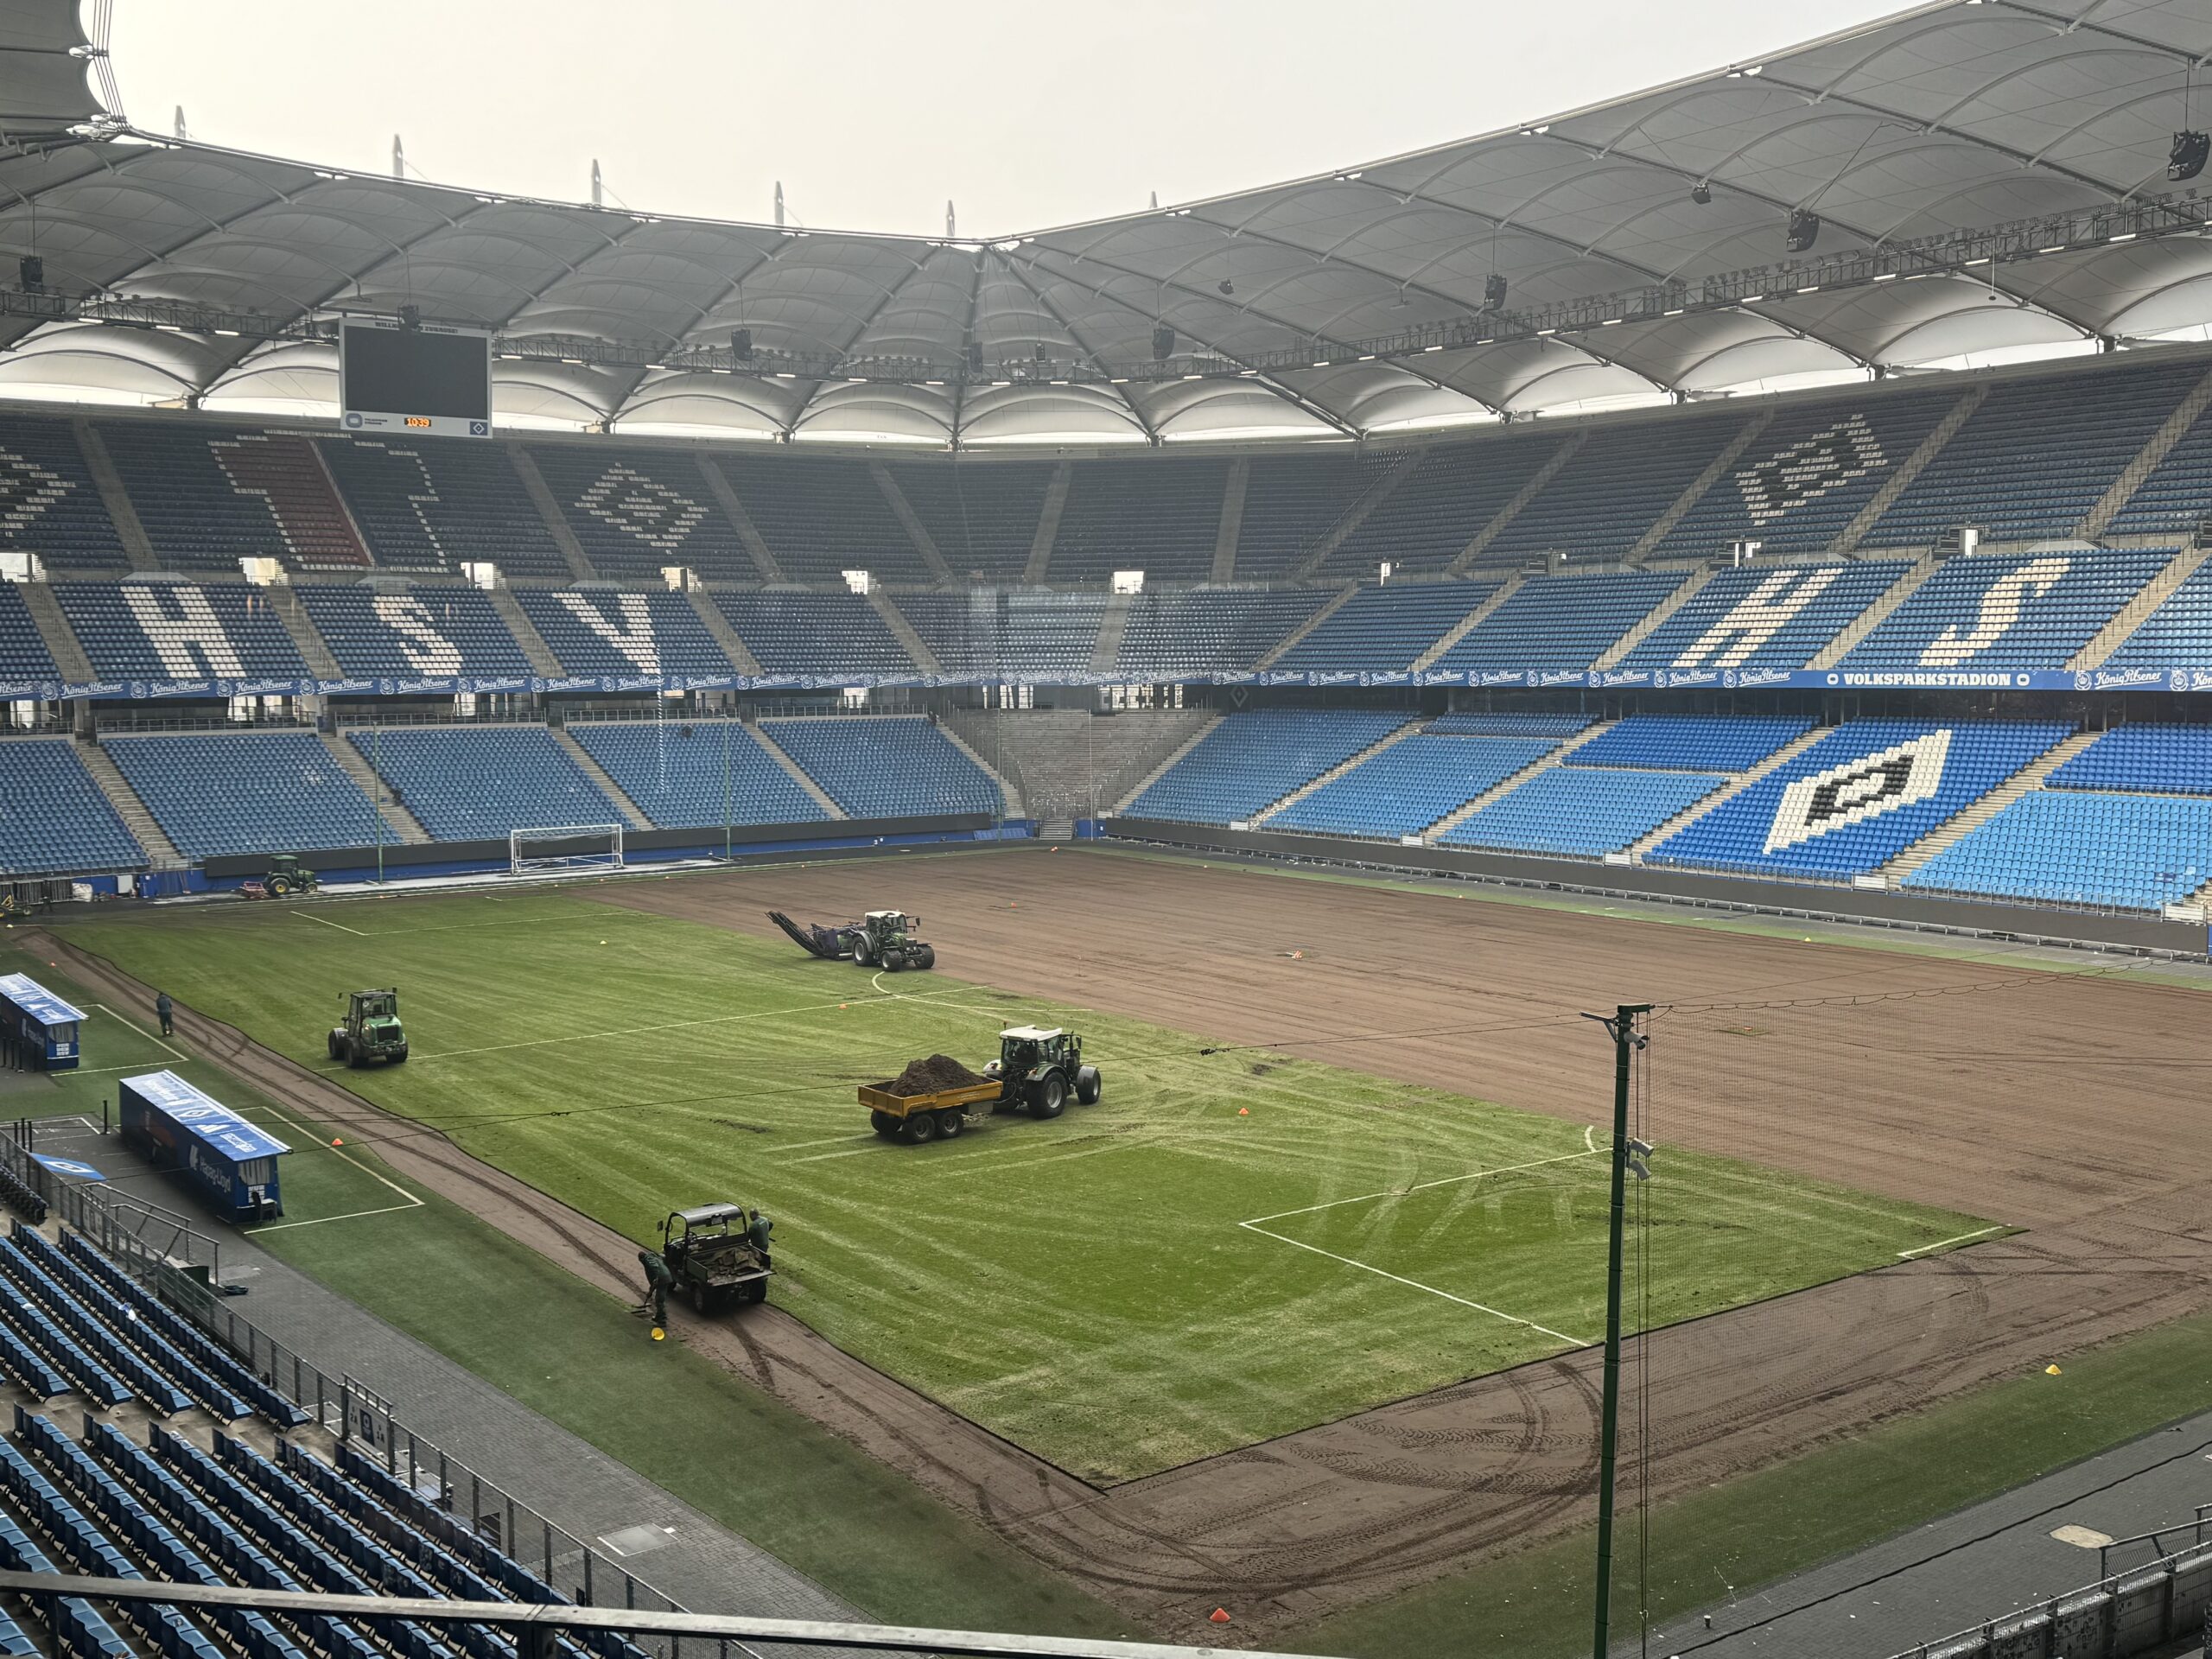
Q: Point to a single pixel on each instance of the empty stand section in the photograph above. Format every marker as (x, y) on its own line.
(1612, 490)
(208, 497)
(1442, 505)
(982, 516)
(887, 766)
(178, 630)
(636, 510)
(2147, 759)
(825, 635)
(2073, 847)
(234, 792)
(1581, 811)
(1411, 785)
(1764, 616)
(53, 817)
(24, 654)
(1150, 513)
(1383, 630)
(476, 783)
(1253, 759)
(1480, 722)
(822, 515)
(2013, 611)
(2178, 634)
(685, 774)
(1291, 502)
(2035, 457)
(1010, 635)
(1206, 630)
(428, 505)
(49, 504)
(1559, 623)
(595, 631)
(424, 632)
(1691, 742)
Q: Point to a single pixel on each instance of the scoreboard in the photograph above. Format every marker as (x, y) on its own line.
(429, 377)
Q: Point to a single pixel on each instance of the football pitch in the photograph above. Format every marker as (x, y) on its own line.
(1231, 1246)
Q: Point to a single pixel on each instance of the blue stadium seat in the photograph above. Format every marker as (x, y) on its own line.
(424, 631)
(1485, 722)
(2143, 759)
(1209, 630)
(1691, 742)
(1430, 517)
(824, 634)
(1252, 760)
(1009, 634)
(1383, 630)
(625, 634)
(53, 818)
(887, 766)
(178, 630)
(427, 506)
(1581, 811)
(822, 515)
(209, 497)
(1763, 616)
(1292, 502)
(1559, 622)
(689, 775)
(23, 655)
(2071, 847)
(2012, 611)
(52, 507)
(636, 509)
(476, 783)
(1157, 514)
(2177, 635)
(220, 793)
(1599, 506)
(982, 515)
(1411, 785)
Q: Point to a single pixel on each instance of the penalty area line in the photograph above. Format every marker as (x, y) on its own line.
(1415, 1284)
(326, 922)
(1423, 1186)
(1980, 1232)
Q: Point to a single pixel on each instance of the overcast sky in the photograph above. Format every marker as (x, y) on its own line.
(872, 112)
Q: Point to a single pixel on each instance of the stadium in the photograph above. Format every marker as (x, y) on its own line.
(1462, 904)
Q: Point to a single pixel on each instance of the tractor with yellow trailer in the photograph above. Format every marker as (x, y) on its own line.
(1039, 1070)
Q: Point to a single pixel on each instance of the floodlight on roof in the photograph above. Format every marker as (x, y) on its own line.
(1701, 193)
(1804, 230)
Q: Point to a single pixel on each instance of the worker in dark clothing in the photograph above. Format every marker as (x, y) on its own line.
(167, 1009)
(658, 1282)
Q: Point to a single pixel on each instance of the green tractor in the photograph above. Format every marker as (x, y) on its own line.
(718, 1254)
(886, 938)
(1039, 1067)
(286, 877)
(372, 1031)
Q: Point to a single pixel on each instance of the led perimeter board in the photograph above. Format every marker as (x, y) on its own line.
(432, 379)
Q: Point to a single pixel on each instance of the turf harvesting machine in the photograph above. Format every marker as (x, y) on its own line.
(882, 938)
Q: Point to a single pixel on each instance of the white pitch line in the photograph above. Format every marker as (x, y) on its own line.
(672, 1025)
(317, 1221)
(1941, 1243)
(1415, 1284)
(1422, 1187)
(326, 922)
(802, 1146)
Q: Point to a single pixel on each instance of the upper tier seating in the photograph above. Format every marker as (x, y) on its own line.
(1011, 635)
(427, 506)
(1485, 722)
(2178, 634)
(637, 510)
(1559, 622)
(1252, 760)
(1431, 516)
(815, 634)
(1764, 617)
(1383, 630)
(1581, 811)
(2130, 852)
(476, 783)
(48, 503)
(53, 816)
(429, 631)
(1202, 630)
(685, 774)
(1859, 797)
(1805, 477)
(23, 655)
(1410, 786)
(593, 631)
(2149, 759)
(209, 498)
(887, 766)
(1159, 515)
(1613, 489)
(1291, 502)
(2034, 458)
(234, 792)
(982, 515)
(1691, 742)
(2014, 611)
(822, 515)
(2178, 495)
(174, 631)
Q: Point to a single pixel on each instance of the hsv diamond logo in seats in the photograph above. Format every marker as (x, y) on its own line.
(1854, 791)
(1810, 468)
(27, 490)
(643, 507)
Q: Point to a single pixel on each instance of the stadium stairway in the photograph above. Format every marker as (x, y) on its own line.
(401, 822)
(591, 769)
(1468, 624)
(2030, 777)
(756, 544)
(1112, 628)
(1610, 657)
(1503, 786)
(1336, 603)
(556, 526)
(285, 602)
(53, 627)
(129, 529)
(1048, 524)
(2153, 594)
(161, 852)
(542, 659)
(1715, 469)
(1875, 614)
(2131, 478)
(719, 630)
(917, 532)
(1900, 480)
(1338, 771)
(776, 753)
(903, 630)
(1197, 736)
(1316, 555)
(1469, 555)
(1231, 529)
(1015, 807)
(1742, 781)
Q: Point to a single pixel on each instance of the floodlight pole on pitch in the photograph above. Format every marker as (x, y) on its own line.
(1627, 1154)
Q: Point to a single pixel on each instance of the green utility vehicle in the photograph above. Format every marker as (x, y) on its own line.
(286, 877)
(882, 938)
(718, 1254)
(372, 1031)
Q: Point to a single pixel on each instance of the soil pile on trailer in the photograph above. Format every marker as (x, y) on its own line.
(927, 1076)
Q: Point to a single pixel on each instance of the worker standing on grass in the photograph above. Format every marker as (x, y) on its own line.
(166, 1009)
(659, 1280)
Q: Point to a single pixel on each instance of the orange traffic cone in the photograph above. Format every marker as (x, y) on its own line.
(1243, 1111)
(337, 1140)
(1219, 1615)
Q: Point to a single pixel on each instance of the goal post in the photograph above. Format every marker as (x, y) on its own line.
(565, 847)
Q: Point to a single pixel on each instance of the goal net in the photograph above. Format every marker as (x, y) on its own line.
(565, 847)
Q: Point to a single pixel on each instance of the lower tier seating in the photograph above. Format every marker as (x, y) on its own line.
(474, 783)
(887, 766)
(685, 774)
(1691, 742)
(53, 818)
(1252, 760)
(1202, 630)
(231, 792)
(2075, 847)
(1506, 722)
(1582, 811)
(2147, 760)
(1411, 785)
